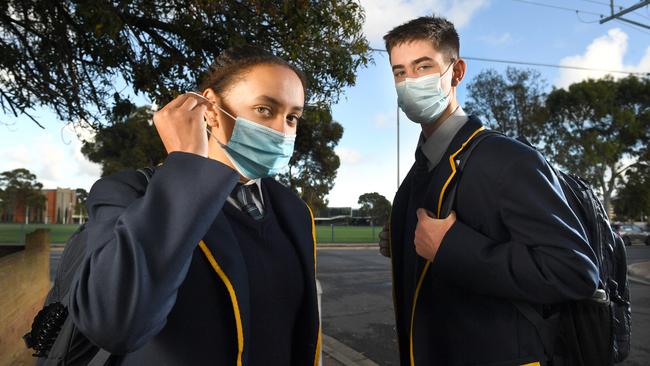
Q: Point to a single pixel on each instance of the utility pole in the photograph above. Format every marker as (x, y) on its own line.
(398, 147)
(622, 12)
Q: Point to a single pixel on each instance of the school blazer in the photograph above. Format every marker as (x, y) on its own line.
(164, 282)
(515, 239)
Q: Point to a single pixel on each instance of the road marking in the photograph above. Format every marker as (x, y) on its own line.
(344, 354)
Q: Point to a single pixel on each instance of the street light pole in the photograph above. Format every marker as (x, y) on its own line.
(398, 147)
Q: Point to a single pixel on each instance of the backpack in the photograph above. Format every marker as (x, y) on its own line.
(54, 337)
(594, 331)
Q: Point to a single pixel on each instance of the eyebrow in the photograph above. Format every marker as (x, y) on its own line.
(276, 103)
(415, 62)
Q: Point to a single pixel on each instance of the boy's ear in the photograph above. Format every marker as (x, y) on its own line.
(459, 69)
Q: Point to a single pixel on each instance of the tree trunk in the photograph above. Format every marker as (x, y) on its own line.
(604, 189)
(608, 189)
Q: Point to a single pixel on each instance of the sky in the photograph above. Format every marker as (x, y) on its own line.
(516, 30)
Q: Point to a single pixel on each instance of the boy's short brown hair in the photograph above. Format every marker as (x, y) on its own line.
(438, 30)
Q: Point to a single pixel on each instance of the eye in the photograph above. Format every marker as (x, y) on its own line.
(423, 67)
(264, 110)
(399, 73)
(293, 120)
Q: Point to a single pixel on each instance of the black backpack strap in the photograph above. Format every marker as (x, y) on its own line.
(100, 358)
(147, 172)
(544, 327)
(447, 206)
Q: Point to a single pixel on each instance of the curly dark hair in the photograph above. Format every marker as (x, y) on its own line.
(233, 63)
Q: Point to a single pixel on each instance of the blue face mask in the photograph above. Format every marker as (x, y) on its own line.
(257, 151)
(422, 99)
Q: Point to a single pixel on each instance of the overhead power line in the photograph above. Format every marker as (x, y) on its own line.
(528, 63)
(619, 15)
(557, 66)
(610, 6)
(603, 18)
(596, 2)
(573, 10)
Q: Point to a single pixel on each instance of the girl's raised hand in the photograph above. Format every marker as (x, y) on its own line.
(181, 126)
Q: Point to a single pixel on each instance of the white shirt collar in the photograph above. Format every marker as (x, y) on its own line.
(257, 181)
(437, 144)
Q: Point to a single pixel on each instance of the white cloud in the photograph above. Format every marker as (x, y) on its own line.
(55, 158)
(383, 120)
(377, 172)
(84, 166)
(462, 11)
(606, 53)
(52, 158)
(348, 156)
(497, 40)
(16, 157)
(383, 15)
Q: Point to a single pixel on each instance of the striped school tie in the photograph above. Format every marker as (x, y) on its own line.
(244, 195)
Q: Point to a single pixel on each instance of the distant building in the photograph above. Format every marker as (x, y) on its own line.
(20, 211)
(328, 212)
(59, 205)
(341, 216)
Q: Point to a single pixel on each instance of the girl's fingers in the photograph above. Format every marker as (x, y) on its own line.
(197, 95)
(177, 102)
(189, 103)
(202, 103)
(199, 99)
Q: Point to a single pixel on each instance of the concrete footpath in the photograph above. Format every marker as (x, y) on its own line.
(639, 272)
(336, 353)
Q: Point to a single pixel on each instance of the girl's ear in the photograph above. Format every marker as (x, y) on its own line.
(212, 114)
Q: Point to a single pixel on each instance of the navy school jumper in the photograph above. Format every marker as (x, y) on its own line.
(515, 239)
(164, 279)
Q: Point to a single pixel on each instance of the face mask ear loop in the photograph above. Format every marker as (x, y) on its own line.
(210, 132)
(224, 150)
(453, 61)
(213, 103)
(221, 109)
(214, 137)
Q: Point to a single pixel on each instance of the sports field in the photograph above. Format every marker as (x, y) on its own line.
(14, 233)
(347, 234)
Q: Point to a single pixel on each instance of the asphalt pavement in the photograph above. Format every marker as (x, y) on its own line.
(358, 309)
(357, 302)
(358, 318)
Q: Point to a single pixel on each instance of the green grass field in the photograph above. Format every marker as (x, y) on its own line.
(13, 233)
(347, 234)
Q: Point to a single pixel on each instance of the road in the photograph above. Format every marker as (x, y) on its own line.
(640, 295)
(358, 309)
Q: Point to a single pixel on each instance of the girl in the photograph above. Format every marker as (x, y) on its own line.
(211, 262)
